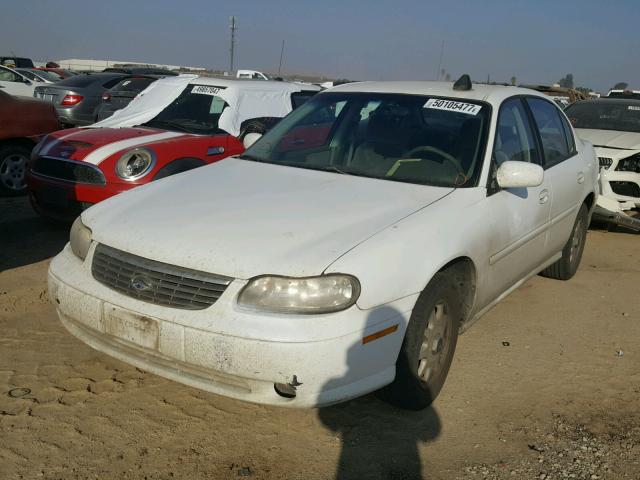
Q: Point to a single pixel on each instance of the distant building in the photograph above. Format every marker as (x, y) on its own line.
(99, 65)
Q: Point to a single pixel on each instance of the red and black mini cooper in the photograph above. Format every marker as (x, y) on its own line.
(176, 124)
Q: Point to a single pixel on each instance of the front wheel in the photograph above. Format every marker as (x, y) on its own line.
(13, 168)
(428, 346)
(567, 266)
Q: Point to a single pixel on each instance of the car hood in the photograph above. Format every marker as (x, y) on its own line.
(94, 145)
(610, 138)
(241, 219)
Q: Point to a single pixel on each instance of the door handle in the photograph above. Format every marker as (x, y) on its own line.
(580, 177)
(544, 196)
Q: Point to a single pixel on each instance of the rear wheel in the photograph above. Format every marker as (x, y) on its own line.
(13, 168)
(567, 266)
(428, 346)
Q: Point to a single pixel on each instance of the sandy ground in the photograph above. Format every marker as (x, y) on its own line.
(559, 400)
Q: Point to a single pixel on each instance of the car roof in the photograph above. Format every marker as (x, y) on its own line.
(494, 94)
(247, 83)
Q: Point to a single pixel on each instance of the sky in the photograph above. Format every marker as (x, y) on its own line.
(535, 41)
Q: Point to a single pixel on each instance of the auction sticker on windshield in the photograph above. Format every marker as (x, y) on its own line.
(453, 106)
(205, 90)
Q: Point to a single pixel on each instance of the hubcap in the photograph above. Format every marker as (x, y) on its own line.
(435, 344)
(576, 241)
(12, 171)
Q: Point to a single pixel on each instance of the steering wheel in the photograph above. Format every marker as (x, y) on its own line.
(440, 153)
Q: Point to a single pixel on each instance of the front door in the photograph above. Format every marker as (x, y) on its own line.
(518, 217)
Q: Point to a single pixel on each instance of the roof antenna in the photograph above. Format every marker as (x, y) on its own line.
(463, 83)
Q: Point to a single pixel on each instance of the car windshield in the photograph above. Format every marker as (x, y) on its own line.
(197, 110)
(404, 138)
(618, 115)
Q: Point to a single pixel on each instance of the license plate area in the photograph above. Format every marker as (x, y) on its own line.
(131, 327)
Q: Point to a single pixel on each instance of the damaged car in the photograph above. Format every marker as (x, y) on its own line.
(343, 252)
(612, 125)
(174, 125)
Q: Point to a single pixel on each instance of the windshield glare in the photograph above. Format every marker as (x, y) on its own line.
(405, 138)
(197, 110)
(607, 115)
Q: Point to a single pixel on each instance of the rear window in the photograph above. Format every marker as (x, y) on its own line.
(133, 84)
(79, 81)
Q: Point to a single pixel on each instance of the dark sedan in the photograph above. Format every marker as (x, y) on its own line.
(76, 98)
(119, 96)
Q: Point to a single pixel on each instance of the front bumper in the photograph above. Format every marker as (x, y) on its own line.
(64, 200)
(231, 352)
(621, 186)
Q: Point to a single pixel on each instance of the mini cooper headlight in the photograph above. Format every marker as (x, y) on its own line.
(135, 163)
(80, 239)
(307, 295)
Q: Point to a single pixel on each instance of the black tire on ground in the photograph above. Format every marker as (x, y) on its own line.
(432, 333)
(14, 160)
(567, 266)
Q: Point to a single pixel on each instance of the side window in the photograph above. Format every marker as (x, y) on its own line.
(514, 136)
(554, 140)
(7, 75)
(568, 132)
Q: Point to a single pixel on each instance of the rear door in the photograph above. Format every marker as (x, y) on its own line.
(518, 217)
(563, 168)
(14, 84)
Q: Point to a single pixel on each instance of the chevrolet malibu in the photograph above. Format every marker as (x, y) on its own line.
(343, 252)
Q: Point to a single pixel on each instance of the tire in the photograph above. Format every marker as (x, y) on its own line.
(567, 266)
(436, 317)
(13, 168)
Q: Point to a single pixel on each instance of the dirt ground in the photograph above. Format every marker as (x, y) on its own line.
(545, 386)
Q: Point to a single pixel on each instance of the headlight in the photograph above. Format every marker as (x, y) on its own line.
(135, 163)
(322, 294)
(80, 239)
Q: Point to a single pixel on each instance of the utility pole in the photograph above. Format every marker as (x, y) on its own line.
(440, 62)
(233, 27)
(281, 54)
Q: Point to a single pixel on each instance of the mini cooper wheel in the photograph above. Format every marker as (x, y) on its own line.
(13, 168)
(428, 346)
(566, 267)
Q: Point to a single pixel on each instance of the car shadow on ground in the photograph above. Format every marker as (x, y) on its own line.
(378, 440)
(25, 238)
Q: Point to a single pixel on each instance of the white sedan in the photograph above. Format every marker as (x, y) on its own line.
(612, 125)
(343, 252)
(15, 83)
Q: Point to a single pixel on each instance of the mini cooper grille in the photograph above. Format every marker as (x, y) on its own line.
(605, 162)
(156, 282)
(68, 170)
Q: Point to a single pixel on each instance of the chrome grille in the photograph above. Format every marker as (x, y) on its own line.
(156, 282)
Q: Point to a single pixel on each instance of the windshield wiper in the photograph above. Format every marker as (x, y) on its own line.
(169, 124)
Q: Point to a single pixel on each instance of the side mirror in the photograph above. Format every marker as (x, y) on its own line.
(27, 81)
(250, 139)
(512, 174)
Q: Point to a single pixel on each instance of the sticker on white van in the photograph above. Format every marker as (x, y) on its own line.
(205, 90)
(453, 106)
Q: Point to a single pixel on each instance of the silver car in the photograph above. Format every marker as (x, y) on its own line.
(76, 98)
